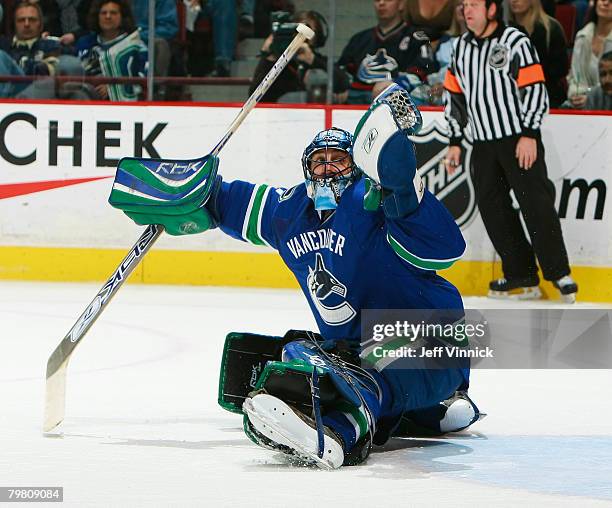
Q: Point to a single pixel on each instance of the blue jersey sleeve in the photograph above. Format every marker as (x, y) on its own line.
(246, 212)
(428, 238)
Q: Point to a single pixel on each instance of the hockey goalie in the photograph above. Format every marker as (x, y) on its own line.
(360, 232)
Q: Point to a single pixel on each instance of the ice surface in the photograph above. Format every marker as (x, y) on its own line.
(143, 427)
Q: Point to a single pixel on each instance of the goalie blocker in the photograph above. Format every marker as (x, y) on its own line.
(173, 194)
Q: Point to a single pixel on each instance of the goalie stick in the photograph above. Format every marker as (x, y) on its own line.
(57, 365)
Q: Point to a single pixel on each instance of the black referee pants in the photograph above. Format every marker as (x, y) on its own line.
(495, 172)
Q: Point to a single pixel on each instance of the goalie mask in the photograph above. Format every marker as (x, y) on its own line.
(329, 167)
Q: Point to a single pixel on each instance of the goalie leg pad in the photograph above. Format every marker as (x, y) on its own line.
(244, 358)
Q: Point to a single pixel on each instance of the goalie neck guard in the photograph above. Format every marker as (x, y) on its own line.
(327, 177)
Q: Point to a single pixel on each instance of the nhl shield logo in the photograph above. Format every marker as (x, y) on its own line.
(499, 56)
(456, 191)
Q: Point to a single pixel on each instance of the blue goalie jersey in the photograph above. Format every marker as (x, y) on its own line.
(355, 259)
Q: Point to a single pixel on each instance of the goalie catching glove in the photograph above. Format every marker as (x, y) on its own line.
(383, 151)
(174, 194)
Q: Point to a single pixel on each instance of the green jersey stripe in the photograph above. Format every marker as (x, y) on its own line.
(425, 264)
(260, 216)
(254, 217)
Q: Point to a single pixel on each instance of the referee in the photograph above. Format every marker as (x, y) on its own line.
(495, 84)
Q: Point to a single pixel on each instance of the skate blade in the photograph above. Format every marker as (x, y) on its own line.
(254, 436)
(570, 298)
(525, 293)
(279, 423)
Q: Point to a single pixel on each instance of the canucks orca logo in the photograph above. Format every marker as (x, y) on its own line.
(456, 191)
(323, 285)
(377, 67)
(285, 194)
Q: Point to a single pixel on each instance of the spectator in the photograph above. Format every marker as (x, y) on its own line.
(547, 37)
(59, 17)
(262, 11)
(442, 47)
(591, 42)
(457, 27)
(35, 55)
(28, 53)
(246, 18)
(600, 97)
(8, 67)
(432, 14)
(113, 48)
(299, 73)
(388, 51)
(224, 19)
(166, 28)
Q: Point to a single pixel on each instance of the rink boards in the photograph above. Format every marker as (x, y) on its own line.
(57, 163)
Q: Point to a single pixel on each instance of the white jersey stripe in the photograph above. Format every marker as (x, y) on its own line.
(247, 215)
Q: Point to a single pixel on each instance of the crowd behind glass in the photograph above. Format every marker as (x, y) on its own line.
(87, 42)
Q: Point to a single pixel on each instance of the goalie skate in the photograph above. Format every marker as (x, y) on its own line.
(276, 425)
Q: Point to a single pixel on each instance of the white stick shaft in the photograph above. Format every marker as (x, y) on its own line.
(57, 364)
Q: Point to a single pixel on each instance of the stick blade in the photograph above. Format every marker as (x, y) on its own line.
(55, 397)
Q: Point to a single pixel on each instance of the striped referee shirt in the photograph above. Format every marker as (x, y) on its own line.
(496, 84)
